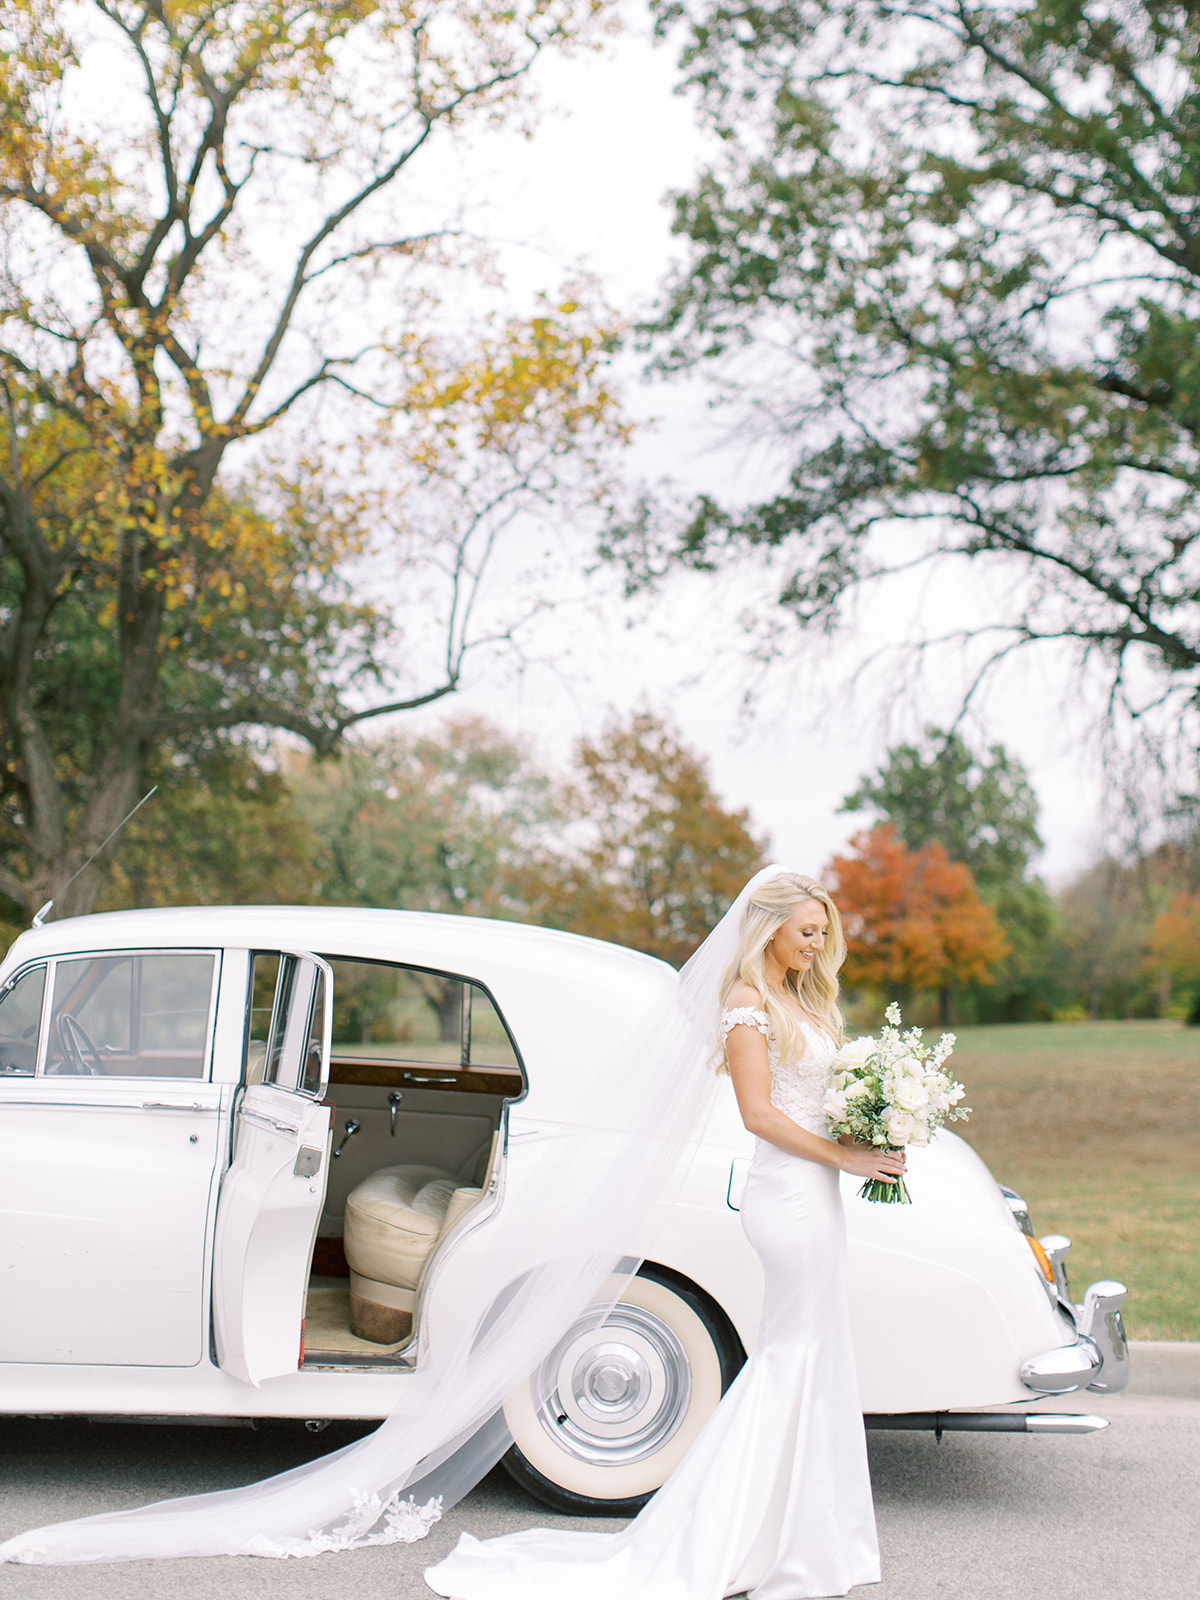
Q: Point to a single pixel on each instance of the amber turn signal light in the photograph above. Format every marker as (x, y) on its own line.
(1043, 1260)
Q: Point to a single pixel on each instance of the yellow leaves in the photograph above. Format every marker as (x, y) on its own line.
(537, 382)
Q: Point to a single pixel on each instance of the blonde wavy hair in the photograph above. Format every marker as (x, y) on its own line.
(815, 990)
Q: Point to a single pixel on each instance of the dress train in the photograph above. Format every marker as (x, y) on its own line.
(774, 1497)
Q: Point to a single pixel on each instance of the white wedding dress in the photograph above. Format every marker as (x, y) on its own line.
(774, 1497)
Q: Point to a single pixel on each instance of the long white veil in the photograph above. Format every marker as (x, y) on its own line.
(567, 1222)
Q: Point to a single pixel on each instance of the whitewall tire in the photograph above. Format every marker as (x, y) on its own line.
(624, 1400)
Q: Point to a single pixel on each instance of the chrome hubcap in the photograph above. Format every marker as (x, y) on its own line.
(617, 1393)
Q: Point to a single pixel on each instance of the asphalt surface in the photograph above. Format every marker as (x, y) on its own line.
(1107, 1516)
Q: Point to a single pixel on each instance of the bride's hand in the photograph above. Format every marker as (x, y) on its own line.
(869, 1161)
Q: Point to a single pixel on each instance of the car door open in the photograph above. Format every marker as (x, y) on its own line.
(271, 1195)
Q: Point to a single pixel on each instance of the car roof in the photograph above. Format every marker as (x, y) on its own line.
(423, 938)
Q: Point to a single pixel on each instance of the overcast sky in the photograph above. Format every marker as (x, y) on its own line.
(590, 190)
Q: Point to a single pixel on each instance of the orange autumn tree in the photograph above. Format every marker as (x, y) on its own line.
(1175, 946)
(914, 919)
(660, 856)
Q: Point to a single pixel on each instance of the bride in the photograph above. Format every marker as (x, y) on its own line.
(774, 1497)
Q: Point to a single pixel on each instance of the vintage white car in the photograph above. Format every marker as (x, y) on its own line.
(247, 1156)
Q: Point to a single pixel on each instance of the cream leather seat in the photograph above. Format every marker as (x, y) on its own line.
(394, 1221)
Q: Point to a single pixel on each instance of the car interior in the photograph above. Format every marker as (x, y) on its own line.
(422, 1067)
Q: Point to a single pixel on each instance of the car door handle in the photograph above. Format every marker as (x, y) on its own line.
(178, 1105)
(245, 1115)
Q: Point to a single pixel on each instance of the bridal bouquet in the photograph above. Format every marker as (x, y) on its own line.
(892, 1091)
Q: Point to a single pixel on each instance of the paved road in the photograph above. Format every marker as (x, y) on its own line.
(1109, 1516)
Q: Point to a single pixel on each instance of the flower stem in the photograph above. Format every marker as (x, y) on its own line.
(889, 1194)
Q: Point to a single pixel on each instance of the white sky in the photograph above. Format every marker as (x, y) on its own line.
(589, 189)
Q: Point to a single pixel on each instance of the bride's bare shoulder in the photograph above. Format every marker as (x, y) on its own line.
(742, 994)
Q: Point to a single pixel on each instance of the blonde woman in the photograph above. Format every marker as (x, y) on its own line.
(774, 1497)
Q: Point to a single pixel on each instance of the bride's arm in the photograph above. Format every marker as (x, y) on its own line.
(746, 1051)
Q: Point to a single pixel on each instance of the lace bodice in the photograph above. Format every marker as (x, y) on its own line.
(798, 1088)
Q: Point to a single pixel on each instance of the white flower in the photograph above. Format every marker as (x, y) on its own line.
(913, 1065)
(892, 1013)
(859, 1087)
(900, 1126)
(857, 1052)
(835, 1103)
(910, 1095)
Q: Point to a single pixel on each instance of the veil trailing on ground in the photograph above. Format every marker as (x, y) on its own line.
(567, 1221)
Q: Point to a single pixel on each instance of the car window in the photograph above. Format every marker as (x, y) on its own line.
(490, 1045)
(383, 1012)
(131, 1015)
(287, 994)
(20, 1019)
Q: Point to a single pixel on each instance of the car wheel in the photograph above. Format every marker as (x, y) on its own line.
(623, 1401)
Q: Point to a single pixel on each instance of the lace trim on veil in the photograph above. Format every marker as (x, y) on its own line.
(404, 1522)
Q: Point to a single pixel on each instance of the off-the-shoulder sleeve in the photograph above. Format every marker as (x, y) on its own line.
(752, 1017)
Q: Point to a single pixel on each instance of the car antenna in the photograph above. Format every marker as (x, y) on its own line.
(44, 911)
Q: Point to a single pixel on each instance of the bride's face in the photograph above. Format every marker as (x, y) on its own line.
(797, 941)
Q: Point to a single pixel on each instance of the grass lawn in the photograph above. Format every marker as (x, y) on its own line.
(1097, 1124)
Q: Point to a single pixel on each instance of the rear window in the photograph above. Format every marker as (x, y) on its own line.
(391, 1013)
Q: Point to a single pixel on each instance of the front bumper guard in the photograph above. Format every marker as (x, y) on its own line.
(1099, 1357)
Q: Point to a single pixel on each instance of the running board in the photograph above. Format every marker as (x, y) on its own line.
(940, 1422)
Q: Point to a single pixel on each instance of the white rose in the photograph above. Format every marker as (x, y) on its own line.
(911, 1095)
(856, 1052)
(912, 1065)
(858, 1088)
(835, 1104)
(900, 1127)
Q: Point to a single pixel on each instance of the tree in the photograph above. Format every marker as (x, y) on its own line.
(960, 242)
(914, 918)
(983, 810)
(659, 858)
(212, 241)
(1175, 948)
(1107, 914)
(223, 829)
(444, 820)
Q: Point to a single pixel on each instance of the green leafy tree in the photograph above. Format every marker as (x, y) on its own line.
(659, 858)
(443, 820)
(217, 248)
(982, 810)
(947, 259)
(223, 829)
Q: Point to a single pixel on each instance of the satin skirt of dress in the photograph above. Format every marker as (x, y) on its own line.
(774, 1497)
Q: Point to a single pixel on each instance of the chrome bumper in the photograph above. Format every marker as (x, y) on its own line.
(1099, 1357)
